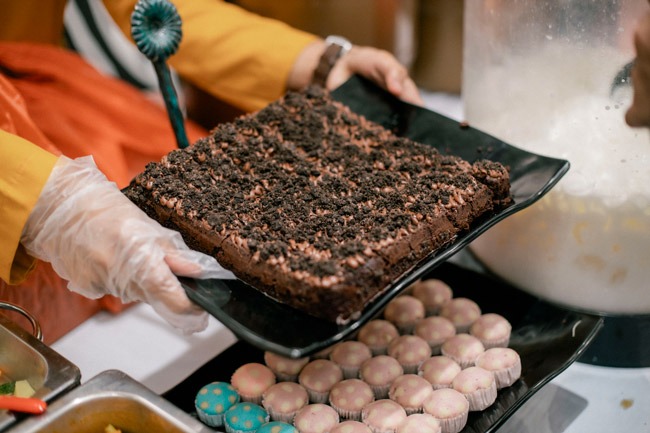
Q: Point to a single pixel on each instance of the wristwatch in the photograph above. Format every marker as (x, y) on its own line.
(336, 47)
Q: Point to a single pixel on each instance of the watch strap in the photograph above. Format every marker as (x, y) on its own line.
(337, 46)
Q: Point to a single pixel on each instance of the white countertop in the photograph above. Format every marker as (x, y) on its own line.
(584, 398)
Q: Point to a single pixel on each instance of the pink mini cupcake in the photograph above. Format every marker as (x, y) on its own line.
(492, 329)
(504, 362)
(435, 330)
(419, 423)
(349, 355)
(285, 369)
(462, 312)
(478, 386)
(404, 312)
(251, 380)
(316, 418)
(410, 391)
(350, 426)
(410, 351)
(283, 399)
(449, 407)
(433, 293)
(323, 353)
(318, 377)
(377, 334)
(349, 396)
(462, 348)
(439, 371)
(379, 372)
(383, 416)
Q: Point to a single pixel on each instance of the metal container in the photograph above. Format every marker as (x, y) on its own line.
(25, 357)
(539, 75)
(113, 398)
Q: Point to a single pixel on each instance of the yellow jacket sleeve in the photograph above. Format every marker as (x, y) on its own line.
(24, 170)
(237, 56)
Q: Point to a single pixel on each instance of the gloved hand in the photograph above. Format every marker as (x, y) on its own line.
(102, 243)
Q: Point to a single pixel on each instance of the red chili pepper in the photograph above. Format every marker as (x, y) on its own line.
(22, 404)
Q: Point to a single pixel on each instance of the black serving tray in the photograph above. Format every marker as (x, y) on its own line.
(269, 325)
(548, 339)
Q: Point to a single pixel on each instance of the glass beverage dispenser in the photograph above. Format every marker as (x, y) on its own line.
(540, 76)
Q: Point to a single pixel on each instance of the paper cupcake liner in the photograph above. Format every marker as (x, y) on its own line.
(318, 396)
(502, 342)
(286, 377)
(412, 410)
(482, 398)
(453, 425)
(345, 414)
(215, 420)
(411, 368)
(281, 416)
(380, 391)
(405, 328)
(350, 372)
(507, 376)
(256, 399)
(378, 350)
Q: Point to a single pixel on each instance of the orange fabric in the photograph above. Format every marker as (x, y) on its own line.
(54, 99)
(83, 112)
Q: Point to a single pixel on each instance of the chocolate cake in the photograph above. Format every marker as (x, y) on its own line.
(314, 205)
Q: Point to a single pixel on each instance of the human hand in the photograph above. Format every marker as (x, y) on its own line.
(102, 243)
(639, 112)
(379, 66)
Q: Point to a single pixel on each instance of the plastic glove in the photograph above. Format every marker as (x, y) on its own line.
(102, 243)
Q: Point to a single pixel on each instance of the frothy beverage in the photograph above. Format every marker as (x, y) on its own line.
(586, 244)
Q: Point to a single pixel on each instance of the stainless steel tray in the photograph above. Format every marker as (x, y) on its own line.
(23, 356)
(114, 398)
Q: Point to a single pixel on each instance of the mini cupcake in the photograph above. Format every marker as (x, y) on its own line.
(377, 334)
(323, 353)
(462, 348)
(410, 351)
(350, 426)
(349, 355)
(245, 417)
(213, 400)
(383, 416)
(318, 377)
(478, 386)
(419, 423)
(504, 362)
(433, 293)
(492, 329)
(449, 407)
(277, 427)
(283, 399)
(435, 330)
(462, 312)
(379, 372)
(404, 312)
(349, 396)
(439, 371)
(251, 380)
(316, 418)
(410, 391)
(285, 369)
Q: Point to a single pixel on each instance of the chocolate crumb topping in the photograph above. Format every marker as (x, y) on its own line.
(315, 205)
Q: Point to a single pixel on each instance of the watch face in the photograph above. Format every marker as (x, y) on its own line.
(341, 41)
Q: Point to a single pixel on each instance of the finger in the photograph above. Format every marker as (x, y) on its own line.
(168, 299)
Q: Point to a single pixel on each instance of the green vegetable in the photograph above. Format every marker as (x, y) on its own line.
(7, 388)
